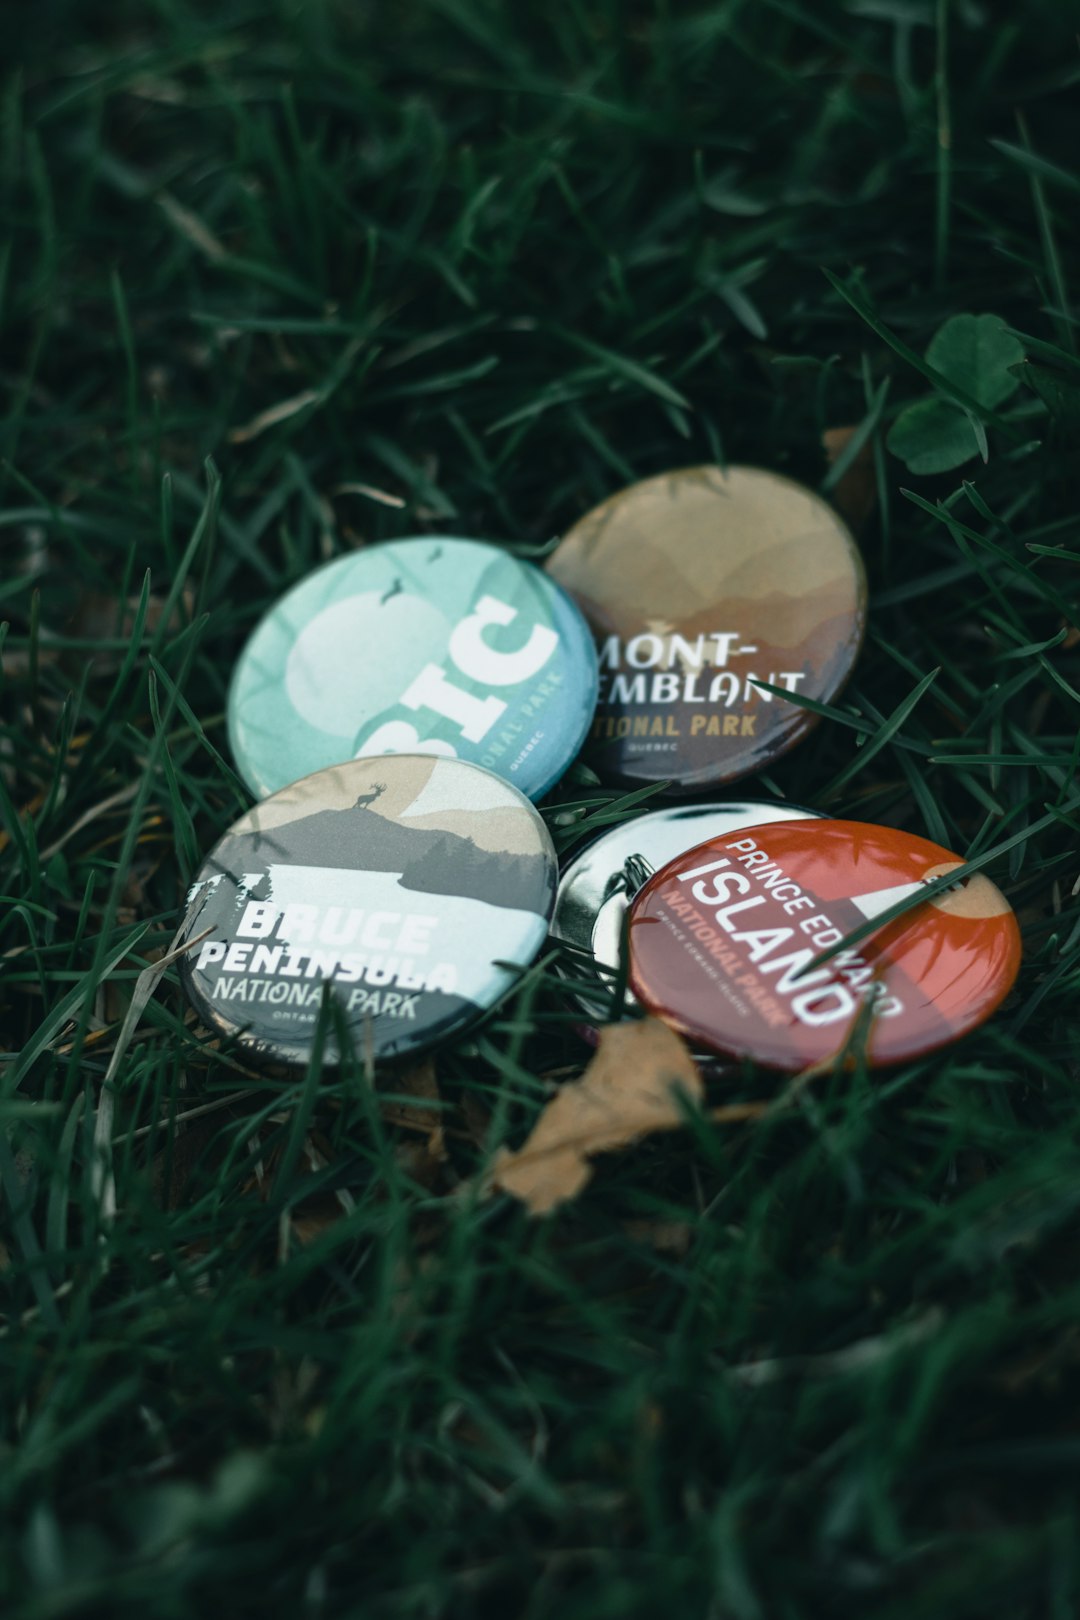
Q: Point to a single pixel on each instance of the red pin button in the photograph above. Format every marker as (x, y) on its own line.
(722, 941)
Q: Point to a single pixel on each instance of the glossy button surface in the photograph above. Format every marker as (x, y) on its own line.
(719, 939)
(405, 881)
(597, 886)
(697, 584)
(436, 645)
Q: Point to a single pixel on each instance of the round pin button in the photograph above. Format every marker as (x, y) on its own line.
(598, 885)
(407, 882)
(436, 645)
(700, 585)
(723, 941)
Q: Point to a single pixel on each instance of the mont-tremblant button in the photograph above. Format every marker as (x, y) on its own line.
(435, 645)
(598, 885)
(407, 882)
(722, 940)
(699, 585)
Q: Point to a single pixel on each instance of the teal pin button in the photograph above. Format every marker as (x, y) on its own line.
(436, 645)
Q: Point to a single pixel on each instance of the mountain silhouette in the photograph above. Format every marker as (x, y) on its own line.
(454, 865)
(429, 860)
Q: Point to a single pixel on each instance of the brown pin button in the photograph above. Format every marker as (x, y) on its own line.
(700, 585)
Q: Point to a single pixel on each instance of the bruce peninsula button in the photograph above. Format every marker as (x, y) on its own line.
(722, 942)
(407, 882)
(436, 645)
(699, 584)
(598, 885)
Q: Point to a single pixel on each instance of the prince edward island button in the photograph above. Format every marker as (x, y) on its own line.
(722, 942)
(436, 646)
(597, 887)
(700, 585)
(408, 883)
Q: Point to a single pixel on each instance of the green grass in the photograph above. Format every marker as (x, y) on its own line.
(278, 280)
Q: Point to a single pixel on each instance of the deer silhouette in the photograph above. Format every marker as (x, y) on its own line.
(377, 790)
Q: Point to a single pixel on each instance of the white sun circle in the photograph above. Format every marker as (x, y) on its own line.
(352, 661)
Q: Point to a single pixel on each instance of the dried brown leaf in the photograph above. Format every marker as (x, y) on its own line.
(96, 614)
(477, 1119)
(317, 1216)
(631, 1087)
(373, 493)
(191, 227)
(421, 1082)
(1044, 1365)
(281, 412)
(419, 1163)
(855, 496)
(666, 1237)
(172, 1168)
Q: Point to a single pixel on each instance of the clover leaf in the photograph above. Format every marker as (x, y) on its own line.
(975, 352)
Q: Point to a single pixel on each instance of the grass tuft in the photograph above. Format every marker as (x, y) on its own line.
(277, 281)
